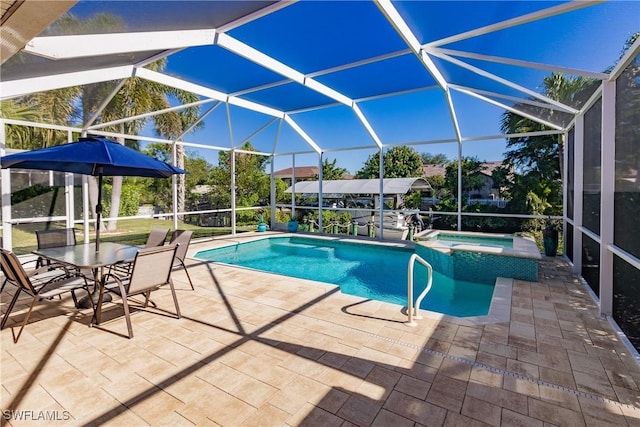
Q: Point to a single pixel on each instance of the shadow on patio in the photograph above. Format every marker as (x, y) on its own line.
(259, 349)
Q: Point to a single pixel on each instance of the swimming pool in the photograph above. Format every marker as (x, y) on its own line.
(374, 271)
(472, 256)
(459, 239)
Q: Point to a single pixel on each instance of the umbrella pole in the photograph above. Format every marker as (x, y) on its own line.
(93, 298)
(98, 212)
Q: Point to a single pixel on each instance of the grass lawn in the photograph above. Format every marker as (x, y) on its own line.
(129, 231)
(135, 232)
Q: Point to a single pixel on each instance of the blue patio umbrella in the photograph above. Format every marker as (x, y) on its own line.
(95, 156)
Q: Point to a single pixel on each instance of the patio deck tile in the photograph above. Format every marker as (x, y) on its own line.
(455, 419)
(481, 411)
(255, 349)
(310, 415)
(500, 397)
(551, 413)
(510, 418)
(415, 409)
(387, 418)
(447, 393)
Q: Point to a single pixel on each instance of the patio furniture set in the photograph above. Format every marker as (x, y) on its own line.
(63, 266)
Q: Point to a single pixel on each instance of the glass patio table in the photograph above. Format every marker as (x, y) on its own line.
(84, 257)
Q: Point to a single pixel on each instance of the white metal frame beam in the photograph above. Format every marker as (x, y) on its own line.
(86, 45)
(200, 119)
(256, 15)
(396, 20)
(14, 88)
(632, 52)
(534, 16)
(254, 55)
(367, 125)
(151, 114)
(302, 133)
(607, 191)
(506, 97)
(509, 108)
(520, 63)
(505, 82)
(205, 91)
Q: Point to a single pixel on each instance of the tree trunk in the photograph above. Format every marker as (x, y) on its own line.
(93, 199)
(112, 224)
(116, 191)
(181, 181)
(561, 156)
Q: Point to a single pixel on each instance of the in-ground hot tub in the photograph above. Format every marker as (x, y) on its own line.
(470, 256)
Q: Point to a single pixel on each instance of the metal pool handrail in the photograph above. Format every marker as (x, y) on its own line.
(410, 307)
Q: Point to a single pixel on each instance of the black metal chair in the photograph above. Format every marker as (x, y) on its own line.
(40, 284)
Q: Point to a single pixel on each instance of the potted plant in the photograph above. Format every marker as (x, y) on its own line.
(550, 237)
(292, 225)
(262, 221)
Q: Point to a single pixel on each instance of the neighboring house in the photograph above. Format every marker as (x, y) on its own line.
(302, 173)
(430, 170)
(488, 190)
(488, 194)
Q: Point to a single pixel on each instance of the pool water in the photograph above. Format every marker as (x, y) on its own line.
(370, 271)
(454, 240)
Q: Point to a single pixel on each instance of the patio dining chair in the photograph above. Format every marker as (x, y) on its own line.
(54, 239)
(41, 283)
(182, 238)
(156, 237)
(151, 269)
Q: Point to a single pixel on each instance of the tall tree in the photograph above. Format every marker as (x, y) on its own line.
(136, 96)
(434, 159)
(52, 107)
(252, 182)
(331, 171)
(538, 158)
(399, 162)
(472, 179)
(158, 191)
(140, 96)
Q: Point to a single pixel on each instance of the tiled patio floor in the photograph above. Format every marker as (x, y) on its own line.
(259, 349)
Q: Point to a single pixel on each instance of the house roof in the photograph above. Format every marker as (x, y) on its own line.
(361, 186)
(487, 168)
(431, 170)
(304, 172)
(301, 172)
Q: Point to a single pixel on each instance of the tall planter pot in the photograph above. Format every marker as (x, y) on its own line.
(550, 242)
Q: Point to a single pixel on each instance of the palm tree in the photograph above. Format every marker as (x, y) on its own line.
(171, 125)
(19, 136)
(68, 105)
(55, 107)
(136, 96)
(539, 158)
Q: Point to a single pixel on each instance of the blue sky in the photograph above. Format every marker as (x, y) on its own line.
(589, 39)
